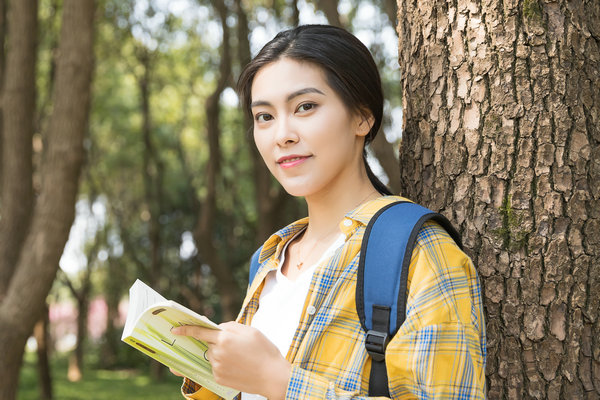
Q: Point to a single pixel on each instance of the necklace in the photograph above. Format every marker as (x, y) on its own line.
(314, 246)
(300, 264)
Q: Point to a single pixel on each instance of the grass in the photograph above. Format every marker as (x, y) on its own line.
(97, 384)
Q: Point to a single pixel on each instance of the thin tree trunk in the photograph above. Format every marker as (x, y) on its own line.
(55, 208)
(40, 333)
(2, 68)
(112, 292)
(18, 109)
(295, 14)
(204, 231)
(501, 133)
(152, 172)
(82, 298)
(384, 152)
(329, 8)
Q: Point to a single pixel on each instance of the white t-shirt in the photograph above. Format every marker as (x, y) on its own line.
(281, 303)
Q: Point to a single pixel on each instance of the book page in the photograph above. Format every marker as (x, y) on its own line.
(141, 297)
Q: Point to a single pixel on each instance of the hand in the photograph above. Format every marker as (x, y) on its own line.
(243, 358)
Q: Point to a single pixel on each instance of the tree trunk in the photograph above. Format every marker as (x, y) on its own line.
(82, 298)
(2, 67)
(387, 156)
(330, 9)
(18, 109)
(501, 133)
(204, 232)
(55, 209)
(112, 291)
(75, 368)
(40, 332)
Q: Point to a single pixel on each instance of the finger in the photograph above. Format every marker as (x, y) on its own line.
(175, 372)
(197, 332)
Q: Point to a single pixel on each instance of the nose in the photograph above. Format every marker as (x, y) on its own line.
(285, 132)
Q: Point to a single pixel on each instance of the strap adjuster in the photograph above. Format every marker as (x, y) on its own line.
(376, 342)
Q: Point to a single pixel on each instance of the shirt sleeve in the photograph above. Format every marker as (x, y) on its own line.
(439, 351)
(192, 391)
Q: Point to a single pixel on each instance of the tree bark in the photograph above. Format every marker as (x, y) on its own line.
(40, 333)
(82, 298)
(329, 8)
(55, 209)
(2, 68)
(501, 117)
(113, 289)
(18, 109)
(204, 232)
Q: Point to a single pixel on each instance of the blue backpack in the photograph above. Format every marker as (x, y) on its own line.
(382, 275)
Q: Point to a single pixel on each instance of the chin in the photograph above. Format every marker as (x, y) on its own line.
(301, 189)
(296, 192)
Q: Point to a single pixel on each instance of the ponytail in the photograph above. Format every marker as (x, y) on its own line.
(379, 186)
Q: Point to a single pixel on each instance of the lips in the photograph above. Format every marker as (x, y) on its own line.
(291, 160)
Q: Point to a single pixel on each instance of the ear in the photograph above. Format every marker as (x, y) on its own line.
(364, 121)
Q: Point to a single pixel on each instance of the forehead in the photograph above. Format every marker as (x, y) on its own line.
(285, 76)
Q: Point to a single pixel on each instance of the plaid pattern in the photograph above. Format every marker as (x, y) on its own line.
(439, 352)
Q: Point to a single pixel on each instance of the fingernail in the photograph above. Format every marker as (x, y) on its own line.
(176, 331)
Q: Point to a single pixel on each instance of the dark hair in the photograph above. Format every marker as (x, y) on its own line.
(349, 70)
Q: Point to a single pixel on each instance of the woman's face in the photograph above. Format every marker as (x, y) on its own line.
(307, 137)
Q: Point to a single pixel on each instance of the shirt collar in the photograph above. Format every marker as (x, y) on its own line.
(360, 216)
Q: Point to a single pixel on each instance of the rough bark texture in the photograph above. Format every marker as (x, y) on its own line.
(501, 133)
(55, 208)
(18, 108)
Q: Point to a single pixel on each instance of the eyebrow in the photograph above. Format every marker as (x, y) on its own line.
(290, 96)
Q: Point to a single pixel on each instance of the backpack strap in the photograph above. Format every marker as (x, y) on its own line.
(254, 264)
(385, 256)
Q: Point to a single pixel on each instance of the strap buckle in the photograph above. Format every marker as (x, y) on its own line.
(376, 342)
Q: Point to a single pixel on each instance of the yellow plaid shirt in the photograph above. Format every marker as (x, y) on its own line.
(438, 352)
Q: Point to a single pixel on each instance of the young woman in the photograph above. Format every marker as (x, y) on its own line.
(315, 96)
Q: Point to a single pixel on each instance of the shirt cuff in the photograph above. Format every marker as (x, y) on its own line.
(192, 391)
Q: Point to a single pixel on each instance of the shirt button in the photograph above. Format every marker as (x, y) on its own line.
(311, 310)
(347, 222)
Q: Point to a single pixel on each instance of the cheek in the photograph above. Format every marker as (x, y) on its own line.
(263, 146)
(260, 144)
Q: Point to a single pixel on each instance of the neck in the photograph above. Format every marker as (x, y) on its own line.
(327, 208)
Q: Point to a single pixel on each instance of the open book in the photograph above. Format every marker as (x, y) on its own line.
(151, 317)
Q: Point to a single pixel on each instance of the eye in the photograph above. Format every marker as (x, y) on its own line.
(306, 107)
(263, 117)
